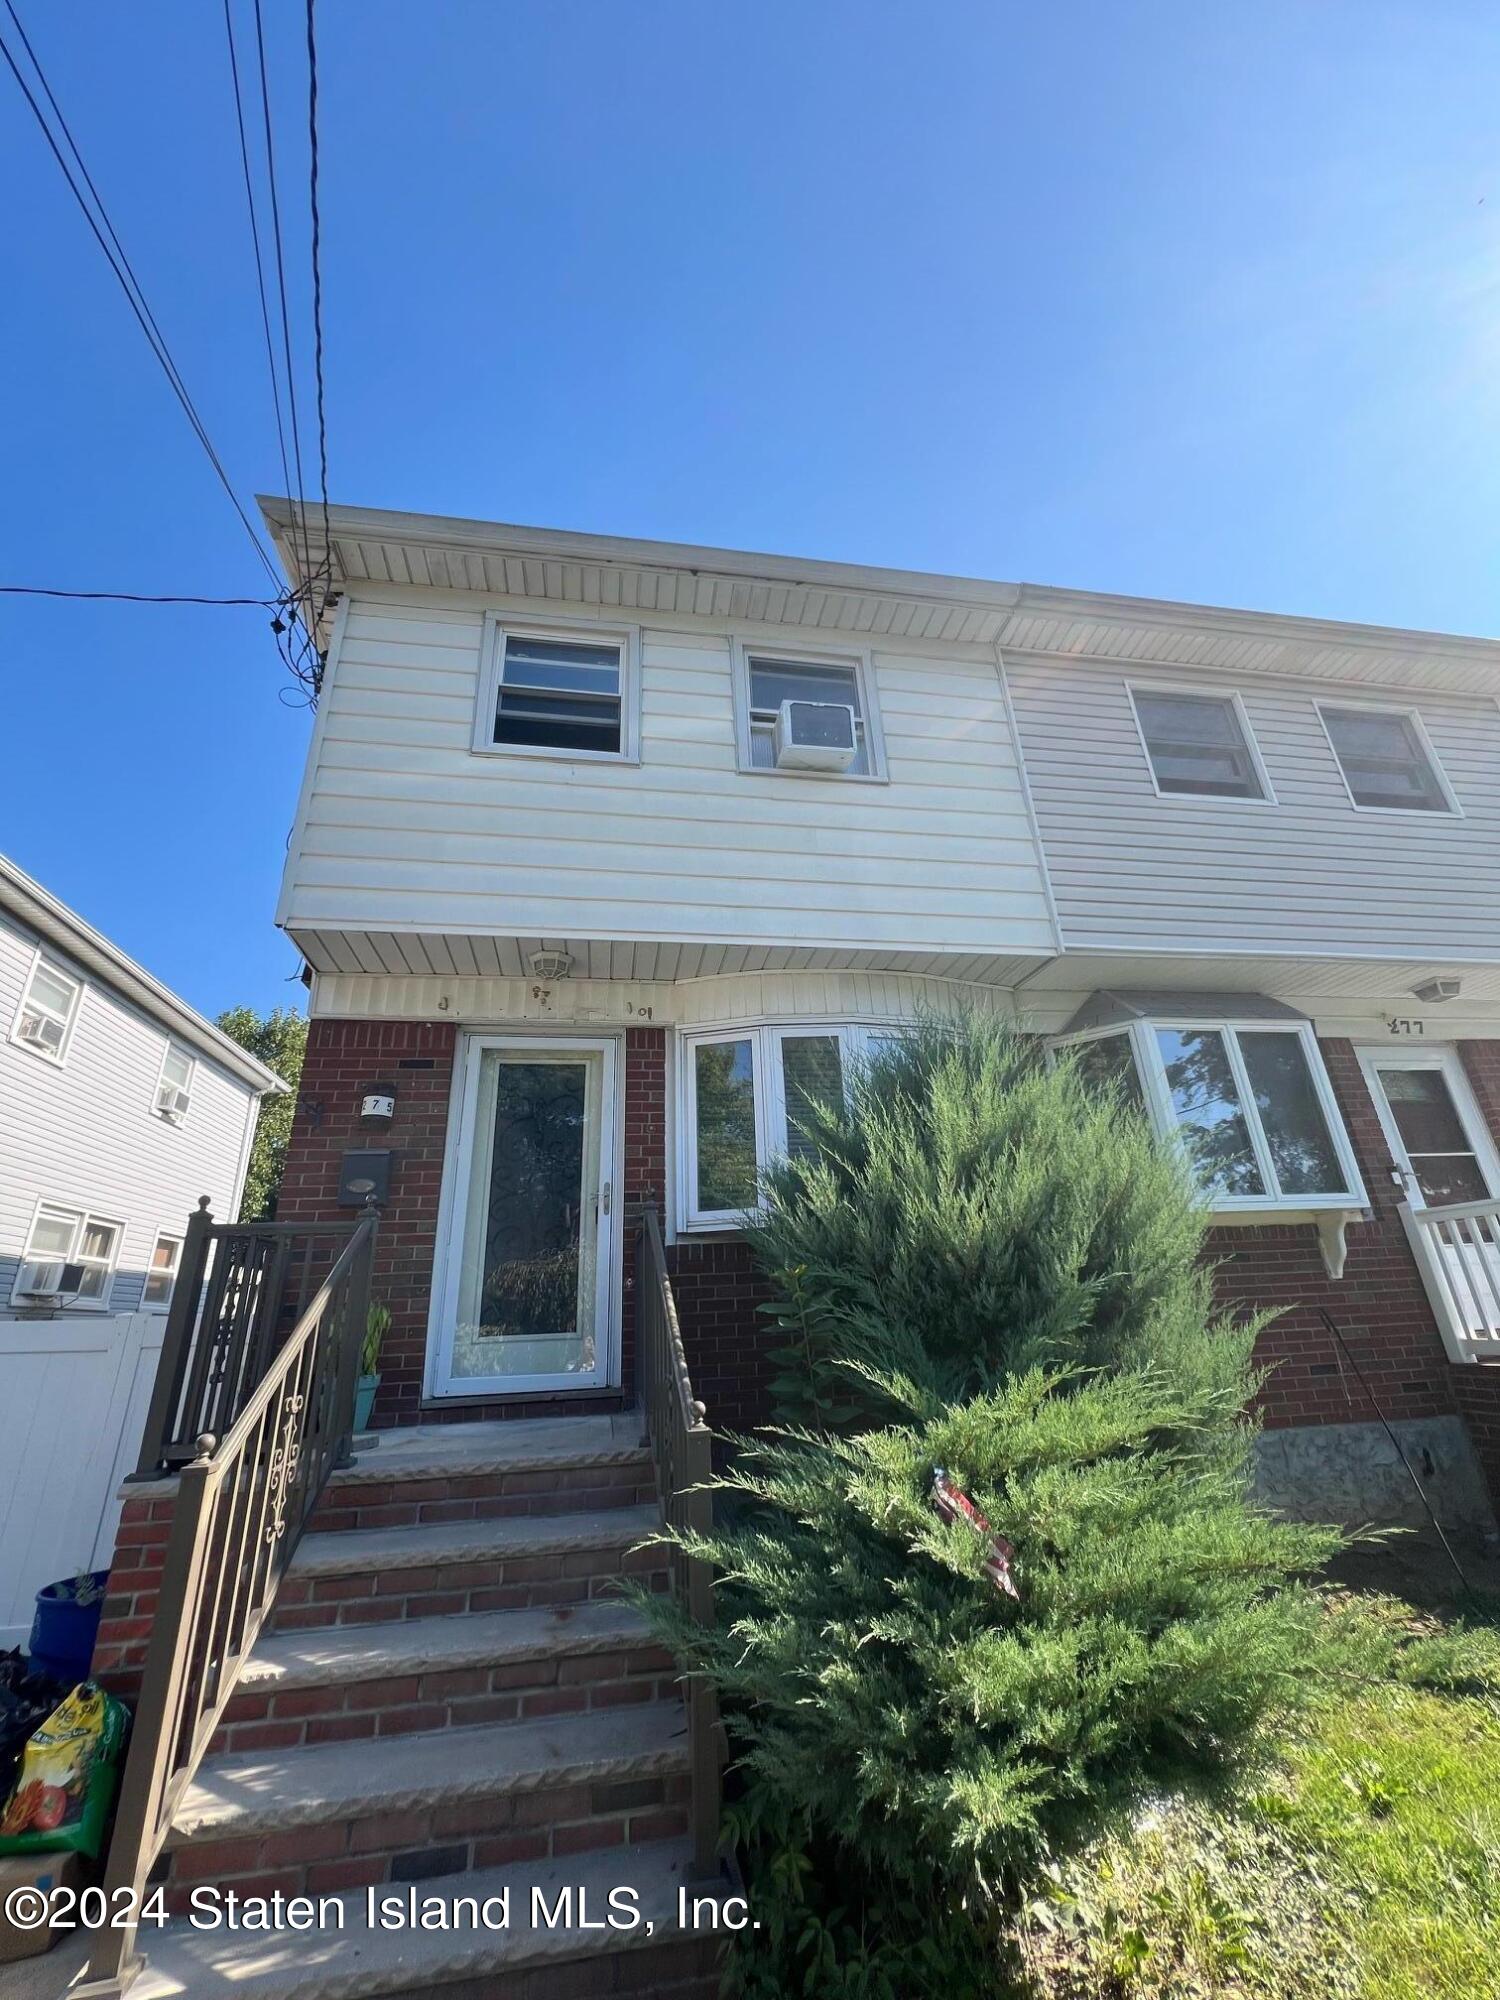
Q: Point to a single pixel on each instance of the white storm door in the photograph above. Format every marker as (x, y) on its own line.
(1448, 1163)
(530, 1265)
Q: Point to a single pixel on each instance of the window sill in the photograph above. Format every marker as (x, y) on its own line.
(1330, 1219)
(815, 777)
(549, 755)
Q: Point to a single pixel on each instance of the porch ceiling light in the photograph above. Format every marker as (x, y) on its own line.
(551, 964)
(1434, 990)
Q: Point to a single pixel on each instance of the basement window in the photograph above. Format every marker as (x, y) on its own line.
(557, 694)
(746, 1099)
(1248, 1100)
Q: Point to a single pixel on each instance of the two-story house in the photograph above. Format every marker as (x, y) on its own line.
(609, 854)
(575, 890)
(120, 1107)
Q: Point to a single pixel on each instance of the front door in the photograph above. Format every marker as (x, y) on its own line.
(1451, 1173)
(529, 1277)
(1433, 1126)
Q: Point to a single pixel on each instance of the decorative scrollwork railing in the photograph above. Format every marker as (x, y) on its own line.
(681, 1444)
(242, 1504)
(240, 1288)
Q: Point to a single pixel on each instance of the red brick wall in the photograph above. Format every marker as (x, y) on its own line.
(1379, 1303)
(345, 1059)
(1476, 1390)
(135, 1569)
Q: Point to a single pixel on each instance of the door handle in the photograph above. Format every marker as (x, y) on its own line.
(605, 1195)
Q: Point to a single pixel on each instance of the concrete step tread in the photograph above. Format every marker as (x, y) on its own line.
(523, 1444)
(345, 1958)
(333, 1655)
(237, 1795)
(429, 1545)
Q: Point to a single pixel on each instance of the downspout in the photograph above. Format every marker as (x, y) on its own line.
(1031, 813)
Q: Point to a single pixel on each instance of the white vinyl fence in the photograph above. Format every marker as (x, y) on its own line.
(73, 1397)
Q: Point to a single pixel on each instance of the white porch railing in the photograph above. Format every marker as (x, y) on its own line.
(1457, 1249)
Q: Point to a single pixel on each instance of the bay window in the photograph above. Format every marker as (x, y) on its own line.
(746, 1097)
(1247, 1099)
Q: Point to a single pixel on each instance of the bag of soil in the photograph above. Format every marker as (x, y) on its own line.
(66, 1784)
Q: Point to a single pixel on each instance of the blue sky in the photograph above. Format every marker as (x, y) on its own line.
(1181, 300)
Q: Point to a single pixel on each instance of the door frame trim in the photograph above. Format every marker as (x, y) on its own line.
(453, 1203)
(1443, 1057)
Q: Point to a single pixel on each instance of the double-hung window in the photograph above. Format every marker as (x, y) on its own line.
(174, 1086)
(746, 1100)
(1249, 1102)
(1200, 745)
(166, 1255)
(1387, 762)
(68, 1254)
(564, 694)
(49, 1007)
(766, 678)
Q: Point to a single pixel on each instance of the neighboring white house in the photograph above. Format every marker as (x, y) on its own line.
(119, 1108)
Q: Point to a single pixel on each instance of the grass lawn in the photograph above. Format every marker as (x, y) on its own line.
(1364, 1862)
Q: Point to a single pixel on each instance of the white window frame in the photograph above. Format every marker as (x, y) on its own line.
(765, 1039)
(1424, 743)
(859, 658)
(176, 1119)
(173, 1236)
(80, 1219)
(41, 961)
(498, 627)
(1231, 698)
(1153, 1077)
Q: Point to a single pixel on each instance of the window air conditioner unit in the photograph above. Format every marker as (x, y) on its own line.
(42, 1032)
(815, 736)
(172, 1103)
(42, 1282)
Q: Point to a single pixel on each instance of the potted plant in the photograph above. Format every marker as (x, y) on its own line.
(377, 1325)
(65, 1625)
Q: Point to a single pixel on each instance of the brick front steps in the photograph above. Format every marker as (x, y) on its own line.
(451, 1694)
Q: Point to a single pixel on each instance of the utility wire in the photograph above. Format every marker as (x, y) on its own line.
(260, 269)
(133, 597)
(286, 328)
(109, 242)
(317, 279)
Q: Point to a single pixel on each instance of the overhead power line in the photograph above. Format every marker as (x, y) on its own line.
(109, 242)
(317, 273)
(134, 597)
(260, 264)
(276, 241)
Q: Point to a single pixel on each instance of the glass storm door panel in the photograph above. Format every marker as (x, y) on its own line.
(533, 1282)
(1434, 1145)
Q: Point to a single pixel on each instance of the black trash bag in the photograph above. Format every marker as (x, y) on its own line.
(27, 1698)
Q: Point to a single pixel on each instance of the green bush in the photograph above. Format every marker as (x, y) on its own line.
(981, 1265)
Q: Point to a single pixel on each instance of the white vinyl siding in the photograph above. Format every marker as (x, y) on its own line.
(1132, 871)
(403, 829)
(84, 1136)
